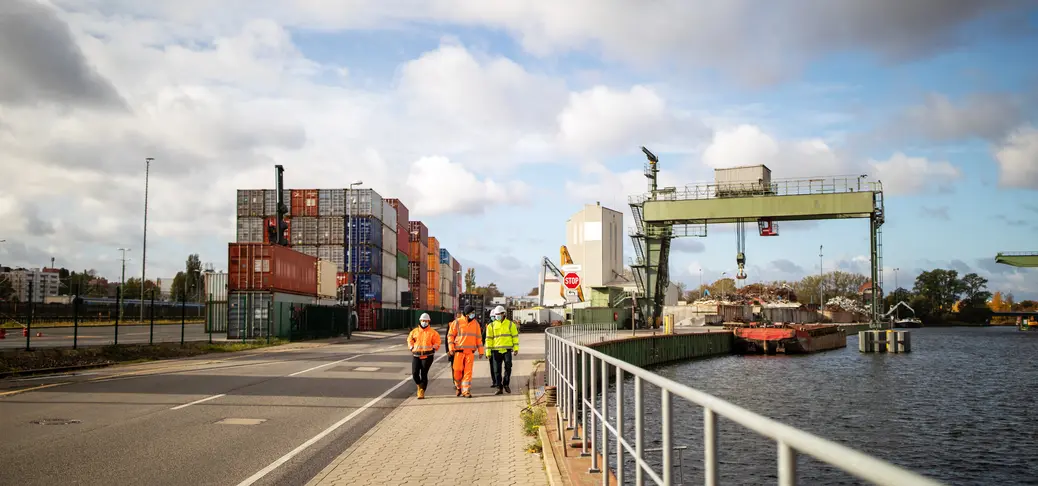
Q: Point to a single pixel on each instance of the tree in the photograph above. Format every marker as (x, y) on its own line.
(997, 304)
(681, 288)
(724, 286)
(6, 289)
(533, 292)
(470, 281)
(975, 289)
(941, 288)
(187, 285)
(132, 288)
(490, 290)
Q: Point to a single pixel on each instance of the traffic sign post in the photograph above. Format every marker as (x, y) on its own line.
(571, 280)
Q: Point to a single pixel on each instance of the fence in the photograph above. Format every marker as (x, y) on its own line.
(581, 377)
(98, 312)
(389, 319)
(257, 318)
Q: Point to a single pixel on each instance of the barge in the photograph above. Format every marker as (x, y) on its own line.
(789, 339)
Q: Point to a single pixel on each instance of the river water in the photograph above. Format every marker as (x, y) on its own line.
(961, 408)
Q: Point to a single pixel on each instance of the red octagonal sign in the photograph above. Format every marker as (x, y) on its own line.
(571, 280)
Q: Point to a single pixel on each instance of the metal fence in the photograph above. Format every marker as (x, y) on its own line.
(98, 312)
(581, 377)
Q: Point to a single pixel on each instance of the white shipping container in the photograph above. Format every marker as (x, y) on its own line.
(388, 264)
(331, 230)
(250, 230)
(402, 285)
(331, 202)
(304, 231)
(389, 238)
(389, 215)
(326, 283)
(389, 290)
(216, 287)
(335, 254)
(270, 202)
(365, 202)
(306, 250)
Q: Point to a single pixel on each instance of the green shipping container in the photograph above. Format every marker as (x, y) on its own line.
(403, 270)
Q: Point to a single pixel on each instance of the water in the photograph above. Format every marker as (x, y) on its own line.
(960, 408)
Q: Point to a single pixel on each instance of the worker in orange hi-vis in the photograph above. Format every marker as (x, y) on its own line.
(464, 344)
(423, 341)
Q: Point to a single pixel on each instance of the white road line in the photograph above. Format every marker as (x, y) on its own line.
(287, 457)
(326, 364)
(214, 397)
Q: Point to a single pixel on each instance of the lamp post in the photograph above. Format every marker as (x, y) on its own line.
(457, 289)
(144, 248)
(349, 237)
(122, 282)
(821, 301)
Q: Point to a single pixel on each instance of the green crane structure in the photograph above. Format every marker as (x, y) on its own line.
(663, 214)
(1018, 258)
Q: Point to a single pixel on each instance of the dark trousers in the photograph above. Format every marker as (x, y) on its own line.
(499, 376)
(420, 370)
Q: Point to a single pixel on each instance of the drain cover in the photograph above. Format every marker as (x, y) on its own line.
(366, 368)
(55, 422)
(241, 421)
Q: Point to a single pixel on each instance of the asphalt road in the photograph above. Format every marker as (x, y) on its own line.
(100, 335)
(292, 410)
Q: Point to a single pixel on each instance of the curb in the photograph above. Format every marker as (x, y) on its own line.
(551, 464)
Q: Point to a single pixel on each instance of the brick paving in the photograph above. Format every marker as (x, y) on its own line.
(413, 444)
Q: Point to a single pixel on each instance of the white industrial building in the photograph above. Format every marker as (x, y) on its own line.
(595, 240)
(45, 283)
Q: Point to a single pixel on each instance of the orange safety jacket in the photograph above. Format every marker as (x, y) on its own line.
(465, 335)
(423, 342)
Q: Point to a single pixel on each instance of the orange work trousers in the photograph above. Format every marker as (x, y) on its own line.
(463, 361)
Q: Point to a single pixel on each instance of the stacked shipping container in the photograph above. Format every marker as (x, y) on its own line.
(393, 262)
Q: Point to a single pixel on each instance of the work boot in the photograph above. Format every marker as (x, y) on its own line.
(457, 392)
(508, 390)
(499, 391)
(466, 395)
(421, 392)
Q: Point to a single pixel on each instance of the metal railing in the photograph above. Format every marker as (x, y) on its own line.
(580, 374)
(776, 187)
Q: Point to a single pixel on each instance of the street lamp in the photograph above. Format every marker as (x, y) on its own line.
(144, 249)
(722, 285)
(349, 235)
(821, 301)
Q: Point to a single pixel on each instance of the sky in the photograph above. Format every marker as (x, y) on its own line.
(496, 121)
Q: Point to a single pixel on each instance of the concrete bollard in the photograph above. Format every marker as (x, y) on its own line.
(888, 341)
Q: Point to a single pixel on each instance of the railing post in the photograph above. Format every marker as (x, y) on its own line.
(594, 422)
(787, 459)
(639, 439)
(668, 464)
(710, 446)
(563, 391)
(583, 405)
(572, 362)
(605, 420)
(619, 425)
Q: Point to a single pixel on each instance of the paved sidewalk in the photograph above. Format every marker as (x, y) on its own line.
(446, 439)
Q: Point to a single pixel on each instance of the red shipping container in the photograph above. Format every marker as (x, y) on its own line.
(417, 226)
(304, 202)
(401, 238)
(402, 214)
(366, 315)
(268, 222)
(255, 266)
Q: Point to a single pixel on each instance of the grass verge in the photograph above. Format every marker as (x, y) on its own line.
(45, 358)
(35, 325)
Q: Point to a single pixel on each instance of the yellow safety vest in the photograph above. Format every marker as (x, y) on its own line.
(502, 336)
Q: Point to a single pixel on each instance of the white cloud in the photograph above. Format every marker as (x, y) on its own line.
(1017, 159)
(902, 174)
(750, 145)
(438, 186)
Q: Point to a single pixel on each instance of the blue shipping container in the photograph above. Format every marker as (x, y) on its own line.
(369, 287)
(445, 257)
(366, 230)
(366, 259)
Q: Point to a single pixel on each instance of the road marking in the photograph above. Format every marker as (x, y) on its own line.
(326, 364)
(294, 452)
(214, 397)
(24, 390)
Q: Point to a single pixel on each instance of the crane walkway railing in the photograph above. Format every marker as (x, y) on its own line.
(580, 374)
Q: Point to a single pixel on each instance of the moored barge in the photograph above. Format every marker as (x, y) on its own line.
(789, 339)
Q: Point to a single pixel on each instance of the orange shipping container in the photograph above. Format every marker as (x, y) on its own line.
(304, 202)
(432, 299)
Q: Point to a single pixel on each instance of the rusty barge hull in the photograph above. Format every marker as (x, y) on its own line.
(794, 339)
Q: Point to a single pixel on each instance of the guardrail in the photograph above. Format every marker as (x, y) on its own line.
(580, 374)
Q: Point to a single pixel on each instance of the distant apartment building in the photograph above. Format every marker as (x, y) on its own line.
(45, 283)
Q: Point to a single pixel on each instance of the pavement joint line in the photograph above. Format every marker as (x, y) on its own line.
(25, 390)
(325, 365)
(214, 397)
(313, 440)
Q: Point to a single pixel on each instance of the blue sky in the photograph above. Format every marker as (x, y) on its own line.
(495, 126)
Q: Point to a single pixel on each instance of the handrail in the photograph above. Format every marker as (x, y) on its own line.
(567, 357)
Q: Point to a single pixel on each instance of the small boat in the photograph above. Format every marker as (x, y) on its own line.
(908, 323)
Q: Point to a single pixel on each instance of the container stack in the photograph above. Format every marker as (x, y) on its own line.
(403, 268)
(458, 283)
(446, 279)
(365, 211)
(390, 293)
(418, 236)
(261, 276)
(433, 278)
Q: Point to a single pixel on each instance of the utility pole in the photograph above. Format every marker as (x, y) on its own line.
(700, 284)
(821, 301)
(122, 282)
(144, 250)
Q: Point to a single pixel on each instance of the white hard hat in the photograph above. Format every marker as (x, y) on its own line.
(497, 311)
(425, 317)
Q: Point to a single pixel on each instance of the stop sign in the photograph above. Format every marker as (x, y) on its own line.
(571, 280)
